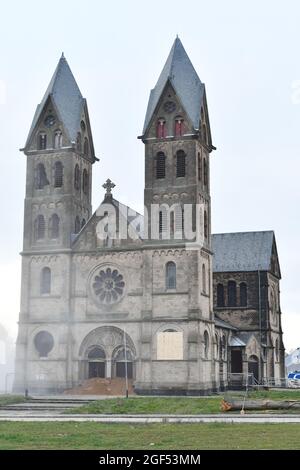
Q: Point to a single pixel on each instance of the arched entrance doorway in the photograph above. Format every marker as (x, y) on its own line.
(253, 367)
(102, 354)
(123, 362)
(96, 362)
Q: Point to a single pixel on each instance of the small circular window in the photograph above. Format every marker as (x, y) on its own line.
(108, 286)
(44, 343)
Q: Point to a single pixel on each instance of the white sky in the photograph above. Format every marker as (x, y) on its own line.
(247, 53)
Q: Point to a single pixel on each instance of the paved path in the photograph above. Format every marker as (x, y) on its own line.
(41, 416)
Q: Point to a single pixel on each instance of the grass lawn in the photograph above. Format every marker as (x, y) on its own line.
(11, 399)
(52, 435)
(176, 405)
(151, 405)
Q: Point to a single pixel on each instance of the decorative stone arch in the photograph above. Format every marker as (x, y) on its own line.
(108, 338)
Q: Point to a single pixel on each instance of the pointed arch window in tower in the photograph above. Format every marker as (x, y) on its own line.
(204, 133)
(180, 164)
(42, 141)
(76, 177)
(205, 225)
(205, 179)
(171, 275)
(77, 224)
(54, 226)
(58, 139)
(203, 279)
(85, 181)
(78, 142)
(86, 147)
(58, 175)
(179, 126)
(161, 128)
(83, 222)
(41, 179)
(199, 167)
(39, 227)
(160, 165)
(45, 285)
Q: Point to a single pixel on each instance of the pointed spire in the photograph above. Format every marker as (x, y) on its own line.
(179, 70)
(67, 99)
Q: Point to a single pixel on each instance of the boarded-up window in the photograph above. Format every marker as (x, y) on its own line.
(161, 128)
(170, 346)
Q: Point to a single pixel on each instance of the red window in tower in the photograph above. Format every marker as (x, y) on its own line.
(178, 126)
(161, 129)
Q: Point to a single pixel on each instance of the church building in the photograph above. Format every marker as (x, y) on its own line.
(154, 297)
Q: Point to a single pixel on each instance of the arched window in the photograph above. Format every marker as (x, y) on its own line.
(161, 128)
(231, 293)
(40, 176)
(160, 221)
(46, 281)
(96, 353)
(178, 126)
(85, 181)
(83, 222)
(203, 279)
(199, 167)
(243, 294)
(277, 350)
(54, 226)
(58, 175)
(78, 142)
(77, 224)
(58, 139)
(205, 179)
(206, 344)
(220, 296)
(180, 164)
(223, 342)
(204, 133)
(42, 141)
(39, 227)
(170, 275)
(86, 149)
(77, 177)
(160, 165)
(205, 225)
(216, 346)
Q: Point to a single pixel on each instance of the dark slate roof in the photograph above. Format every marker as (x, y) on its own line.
(67, 99)
(183, 77)
(244, 251)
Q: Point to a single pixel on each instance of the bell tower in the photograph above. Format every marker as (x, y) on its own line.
(60, 154)
(178, 144)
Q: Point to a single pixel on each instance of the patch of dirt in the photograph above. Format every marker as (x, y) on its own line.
(98, 386)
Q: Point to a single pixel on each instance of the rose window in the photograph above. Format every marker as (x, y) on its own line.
(108, 286)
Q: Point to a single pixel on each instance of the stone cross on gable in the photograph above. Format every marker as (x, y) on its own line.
(108, 185)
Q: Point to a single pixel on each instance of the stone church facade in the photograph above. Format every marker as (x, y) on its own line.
(115, 293)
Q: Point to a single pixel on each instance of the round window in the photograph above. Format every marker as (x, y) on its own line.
(44, 343)
(108, 286)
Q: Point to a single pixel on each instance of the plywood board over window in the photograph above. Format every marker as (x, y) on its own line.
(170, 346)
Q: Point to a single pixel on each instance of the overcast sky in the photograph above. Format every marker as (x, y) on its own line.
(247, 54)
